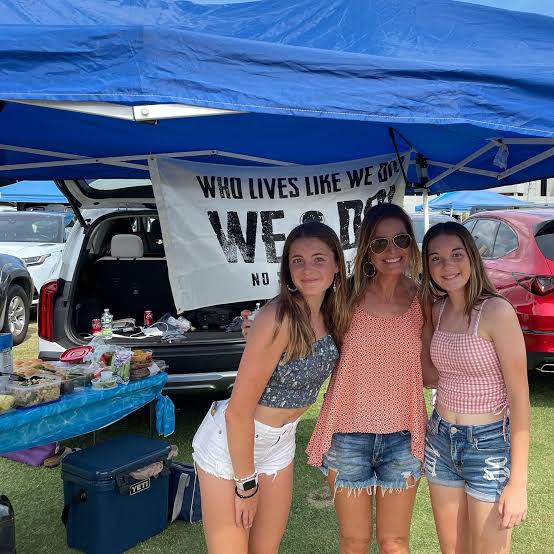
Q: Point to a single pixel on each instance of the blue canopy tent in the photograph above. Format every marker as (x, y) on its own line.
(93, 90)
(38, 192)
(464, 200)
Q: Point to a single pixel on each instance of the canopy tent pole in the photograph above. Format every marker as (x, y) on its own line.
(73, 159)
(144, 113)
(425, 198)
(465, 169)
(464, 162)
(423, 181)
(69, 159)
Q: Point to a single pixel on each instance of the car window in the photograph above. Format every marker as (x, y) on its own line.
(484, 233)
(30, 227)
(506, 241)
(469, 224)
(545, 239)
(418, 225)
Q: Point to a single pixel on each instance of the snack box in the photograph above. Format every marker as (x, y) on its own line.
(6, 403)
(34, 391)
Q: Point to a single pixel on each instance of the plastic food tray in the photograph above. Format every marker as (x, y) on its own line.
(47, 390)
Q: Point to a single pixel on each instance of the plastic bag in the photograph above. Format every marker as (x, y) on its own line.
(100, 346)
(121, 364)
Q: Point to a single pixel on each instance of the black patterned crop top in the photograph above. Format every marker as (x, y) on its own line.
(297, 384)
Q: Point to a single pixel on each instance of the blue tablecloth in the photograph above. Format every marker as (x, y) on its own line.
(84, 411)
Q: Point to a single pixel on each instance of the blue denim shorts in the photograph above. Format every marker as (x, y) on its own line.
(369, 460)
(476, 457)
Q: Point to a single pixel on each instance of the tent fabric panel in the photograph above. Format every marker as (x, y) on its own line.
(321, 81)
(410, 71)
(290, 139)
(41, 192)
(465, 200)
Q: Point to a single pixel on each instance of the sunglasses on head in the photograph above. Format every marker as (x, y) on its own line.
(402, 240)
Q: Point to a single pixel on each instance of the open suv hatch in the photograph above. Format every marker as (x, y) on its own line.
(115, 259)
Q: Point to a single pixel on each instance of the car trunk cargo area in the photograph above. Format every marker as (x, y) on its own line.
(129, 286)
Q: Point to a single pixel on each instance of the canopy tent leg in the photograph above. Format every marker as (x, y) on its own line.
(425, 198)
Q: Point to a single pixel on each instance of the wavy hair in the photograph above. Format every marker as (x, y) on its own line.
(479, 286)
(293, 308)
(360, 276)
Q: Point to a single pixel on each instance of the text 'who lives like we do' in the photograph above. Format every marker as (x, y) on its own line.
(228, 188)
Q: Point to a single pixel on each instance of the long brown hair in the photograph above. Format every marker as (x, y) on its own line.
(293, 307)
(479, 286)
(361, 275)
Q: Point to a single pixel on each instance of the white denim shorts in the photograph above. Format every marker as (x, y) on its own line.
(274, 447)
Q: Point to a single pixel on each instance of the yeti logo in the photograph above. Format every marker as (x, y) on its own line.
(139, 487)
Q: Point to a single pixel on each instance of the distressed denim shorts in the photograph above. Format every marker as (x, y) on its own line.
(476, 457)
(370, 460)
(274, 447)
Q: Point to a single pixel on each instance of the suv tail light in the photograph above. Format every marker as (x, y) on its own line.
(541, 285)
(47, 295)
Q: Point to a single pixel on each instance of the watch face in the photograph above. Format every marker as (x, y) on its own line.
(249, 485)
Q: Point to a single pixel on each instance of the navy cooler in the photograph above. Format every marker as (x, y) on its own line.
(106, 510)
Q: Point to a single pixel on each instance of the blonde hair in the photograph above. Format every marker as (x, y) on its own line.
(478, 287)
(361, 277)
(292, 307)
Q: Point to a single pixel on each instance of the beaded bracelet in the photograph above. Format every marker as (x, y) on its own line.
(243, 479)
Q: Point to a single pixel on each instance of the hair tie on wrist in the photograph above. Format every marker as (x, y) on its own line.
(250, 495)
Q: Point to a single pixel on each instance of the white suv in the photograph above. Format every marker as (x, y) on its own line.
(38, 238)
(114, 258)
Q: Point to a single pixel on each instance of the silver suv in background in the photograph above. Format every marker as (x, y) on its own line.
(419, 224)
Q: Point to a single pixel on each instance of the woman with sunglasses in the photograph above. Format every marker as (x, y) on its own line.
(475, 456)
(370, 435)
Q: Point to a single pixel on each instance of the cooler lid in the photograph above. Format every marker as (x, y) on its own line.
(106, 460)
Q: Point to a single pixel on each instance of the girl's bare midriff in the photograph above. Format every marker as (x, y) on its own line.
(468, 419)
(277, 417)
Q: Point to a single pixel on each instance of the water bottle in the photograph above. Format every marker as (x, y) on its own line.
(106, 321)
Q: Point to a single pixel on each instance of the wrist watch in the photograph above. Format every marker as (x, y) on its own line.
(247, 484)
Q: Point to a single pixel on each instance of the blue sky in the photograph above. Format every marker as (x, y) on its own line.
(544, 7)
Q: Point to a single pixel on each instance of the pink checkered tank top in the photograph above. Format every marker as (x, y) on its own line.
(470, 376)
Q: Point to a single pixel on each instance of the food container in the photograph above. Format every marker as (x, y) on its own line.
(104, 384)
(74, 381)
(76, 354)
(6, 403)
(139, 373)
(141, 358)
(34, 391)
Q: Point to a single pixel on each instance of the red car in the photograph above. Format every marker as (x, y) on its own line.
(517, 247)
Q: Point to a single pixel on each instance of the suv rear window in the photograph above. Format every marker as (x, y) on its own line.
(544, 235)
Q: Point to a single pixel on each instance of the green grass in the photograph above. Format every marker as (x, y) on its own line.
(37, 493)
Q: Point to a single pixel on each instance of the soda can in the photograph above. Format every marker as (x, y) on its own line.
(96, 327)
(148, 318)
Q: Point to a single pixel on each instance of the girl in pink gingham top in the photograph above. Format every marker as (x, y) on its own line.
(475, 457)
(471, 380)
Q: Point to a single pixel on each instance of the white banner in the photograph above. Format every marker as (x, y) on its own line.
(224, 226)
